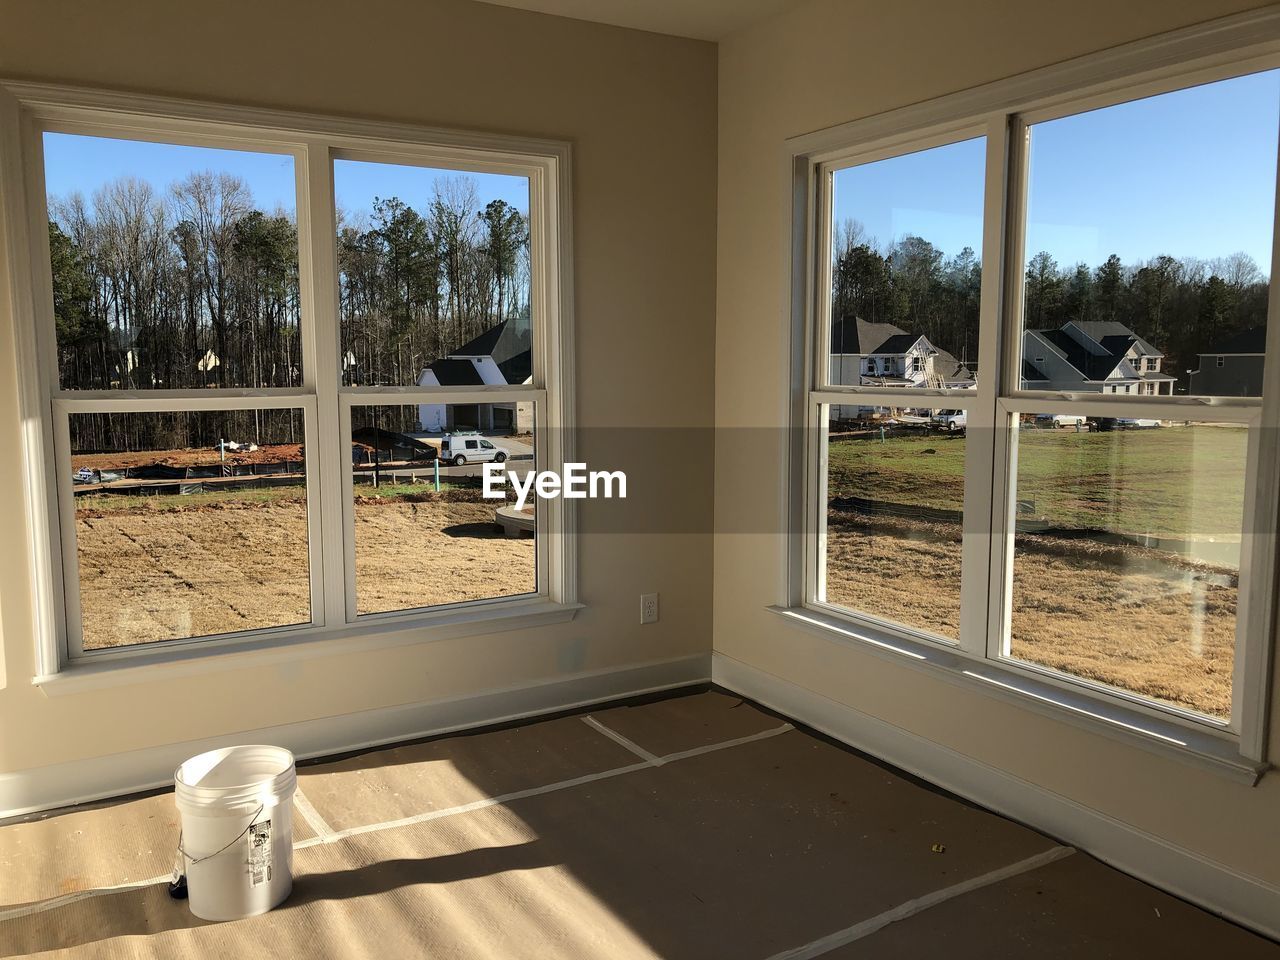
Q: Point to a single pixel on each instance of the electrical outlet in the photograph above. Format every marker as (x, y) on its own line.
(648, 608)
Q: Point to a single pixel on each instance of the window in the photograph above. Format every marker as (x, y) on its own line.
(416, 246)
(251, 351)
(178, 513)
(1161, 500)
(1082, 532)
(419, 515)
(893, 478)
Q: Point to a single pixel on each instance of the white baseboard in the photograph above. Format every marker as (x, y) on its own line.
(62, 784)
(1247, 900)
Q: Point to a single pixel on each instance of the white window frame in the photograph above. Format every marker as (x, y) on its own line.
(29, 110)
(1001, 112)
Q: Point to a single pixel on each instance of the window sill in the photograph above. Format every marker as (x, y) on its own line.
(95, 672)
(1201, 748)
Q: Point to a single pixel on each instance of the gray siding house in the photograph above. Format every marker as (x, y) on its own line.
(1233, 368)
(1093, 356)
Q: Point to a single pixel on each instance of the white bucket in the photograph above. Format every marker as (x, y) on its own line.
(237, 830)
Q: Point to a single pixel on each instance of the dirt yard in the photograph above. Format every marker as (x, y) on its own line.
(1125, 617)
(154, 569)
(414, 554)
(189, 457)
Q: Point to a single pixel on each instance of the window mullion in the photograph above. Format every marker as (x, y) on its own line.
(318, 277)
(814, 431)
(25, 292)
(1255, 627)
(66, 525)
(397, 396)
(1006, 363)
(980, 485)
(825, 222)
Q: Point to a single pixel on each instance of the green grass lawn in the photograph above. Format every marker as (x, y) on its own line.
(109, 502)
(1177, 481)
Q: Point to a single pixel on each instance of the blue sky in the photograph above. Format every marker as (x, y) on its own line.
(356, 184)
(1190, 173)
(935, 194)
(85, 163)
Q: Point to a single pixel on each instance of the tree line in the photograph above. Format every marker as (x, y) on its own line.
(1183, 307)
(194, 286)
(911, 284)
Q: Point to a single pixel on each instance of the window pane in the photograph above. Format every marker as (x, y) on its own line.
(173, 267)
(425, 534)
(895, 499)
(1149, 231)
(434, 273)
(906, 274)
(1127, 554)
(189, 524)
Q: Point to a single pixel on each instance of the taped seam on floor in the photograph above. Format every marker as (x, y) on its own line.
(912, 907)
(309, 813)
(539, 791)
(41, 906)
(619, 739)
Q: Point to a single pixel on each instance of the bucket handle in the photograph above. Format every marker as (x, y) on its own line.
(186, 857)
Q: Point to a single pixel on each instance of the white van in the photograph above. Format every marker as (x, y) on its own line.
(462, 448)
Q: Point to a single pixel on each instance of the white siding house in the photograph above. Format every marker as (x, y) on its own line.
(494, 357)
(884, 355)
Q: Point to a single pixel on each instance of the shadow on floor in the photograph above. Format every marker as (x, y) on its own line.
(147, 911)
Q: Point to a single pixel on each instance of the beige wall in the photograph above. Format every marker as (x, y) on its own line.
(640, 111)
(827, 62)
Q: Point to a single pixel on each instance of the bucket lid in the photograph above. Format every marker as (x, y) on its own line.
(231, 779)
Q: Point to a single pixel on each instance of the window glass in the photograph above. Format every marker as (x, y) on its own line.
(425, 535)
(1148, 243)
(894, 504)
(434, 276)
(906, 269)
(1126, 564)
(189, 524)
(173, 267)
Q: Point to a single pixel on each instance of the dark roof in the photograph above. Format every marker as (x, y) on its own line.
(456, 373)
(1253, 340)
(1120, 337)
(1094, 366)
(481, 346)
(519, 368)
(853, 335)
(949, 368)
(502, 341)
(897, 344)
(1118, 346)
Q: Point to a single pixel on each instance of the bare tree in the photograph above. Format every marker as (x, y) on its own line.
(213, 203)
